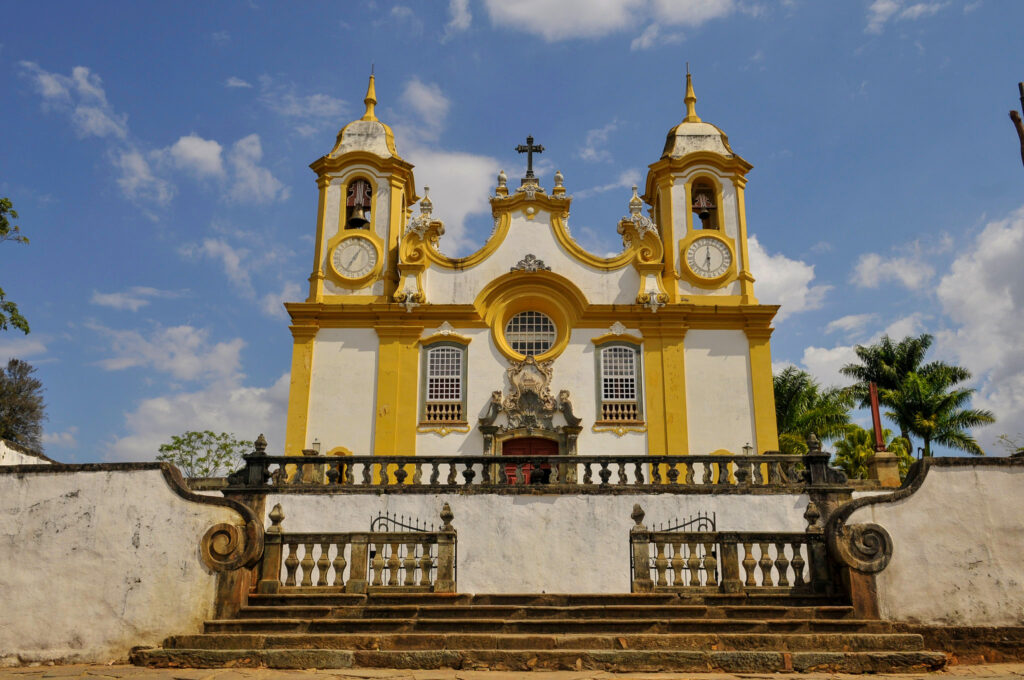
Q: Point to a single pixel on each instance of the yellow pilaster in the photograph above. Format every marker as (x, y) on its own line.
(665, 382)
(397, 387)
(666, 224)
(396, 230)
(765, 425)
(298, 390)
(316, 279)
(745, 277)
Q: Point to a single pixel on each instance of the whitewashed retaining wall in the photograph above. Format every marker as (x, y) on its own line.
(958, 547)
(12, 454)
(553, 543)
(93, 563)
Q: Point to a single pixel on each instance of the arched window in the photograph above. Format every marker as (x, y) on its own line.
(619, 383)
(445, 384)
(358, 202)
(705, 208)
(530, 333)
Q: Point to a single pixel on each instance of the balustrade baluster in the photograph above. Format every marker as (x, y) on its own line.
(604, 473)
(307, 565)
(485, 470)
(323, 563)
(748, 565)
(291, 563)
(556, 474)
(417, 473)
(339, 565)
(693, 564)
(678, 563)
(673, 474)
(435, 473)
(706, 476)
(661, 563)
(688, 474)
(587, 477)
(775, 473)
(366, 474)
(638, 472)
(400, 474)
(758, 477)
(623, 478)
(723, 472)
(425, 563)
(394, 563)
(520, 474)
(765, 563)
(656, 473)
(378, 563)
(468, 473)
(502, 474)
(452, 479)
(333, 473)
(410, 563)
(710, 565)
(781, 563)
(798, 565)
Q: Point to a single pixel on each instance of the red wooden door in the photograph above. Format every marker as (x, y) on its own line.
(527, 446)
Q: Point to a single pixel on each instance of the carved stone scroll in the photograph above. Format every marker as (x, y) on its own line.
(866, 548)
(226, 547)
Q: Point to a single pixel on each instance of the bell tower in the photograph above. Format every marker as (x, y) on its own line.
(696, 189)
(366, 190)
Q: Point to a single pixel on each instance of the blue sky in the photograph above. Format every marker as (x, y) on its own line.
(158, 154)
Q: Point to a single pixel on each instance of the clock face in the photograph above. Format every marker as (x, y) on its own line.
(354, 257)
(708, 257)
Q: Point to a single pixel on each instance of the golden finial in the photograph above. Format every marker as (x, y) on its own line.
(691, 100)
(370, 101)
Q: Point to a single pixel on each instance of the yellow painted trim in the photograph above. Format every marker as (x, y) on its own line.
(745, 276)
(445, 337)
(340, 451)
(316, 278)
(617, 429)
(762, 389)
(614, 337)
(397, 385)
(299, 389)
(443, 430)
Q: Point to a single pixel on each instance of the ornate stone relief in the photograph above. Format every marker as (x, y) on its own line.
(529, 404)
(530, 263)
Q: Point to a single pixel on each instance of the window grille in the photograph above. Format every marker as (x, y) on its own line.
(444, 374)
(530, 333)
(619, 399)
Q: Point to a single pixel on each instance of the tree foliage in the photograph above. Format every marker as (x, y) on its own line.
(854, 451)
(1012, 445)
(204, 454)
(9, 314)
(22, 410)
(802, 407)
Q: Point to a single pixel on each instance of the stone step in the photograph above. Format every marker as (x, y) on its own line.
(527, 660)
(564, 626)
(836, 642)
(489, 611)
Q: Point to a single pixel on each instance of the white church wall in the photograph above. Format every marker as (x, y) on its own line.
(558, 544)
(447, 286)
(12, 454)
(343, 389)
(93, 563)
(719, 399)
(958, 547)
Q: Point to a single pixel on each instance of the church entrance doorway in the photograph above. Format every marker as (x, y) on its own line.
(529, 446)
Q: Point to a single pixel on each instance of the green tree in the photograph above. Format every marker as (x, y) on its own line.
(1012, 445)
(930, 406)
(22, 410)
(204, 454)
(887, 364)
(9, 314)
(854, 451)
(802, 407)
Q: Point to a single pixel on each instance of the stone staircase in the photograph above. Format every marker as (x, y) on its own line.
(630, 632)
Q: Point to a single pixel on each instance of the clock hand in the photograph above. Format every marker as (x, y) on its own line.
(353, 260)
(707, 258)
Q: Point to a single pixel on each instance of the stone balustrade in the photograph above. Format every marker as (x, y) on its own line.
(358, 562)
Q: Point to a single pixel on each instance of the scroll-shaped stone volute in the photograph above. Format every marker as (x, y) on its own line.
(565, 406)
(226, 547)
(867, 548)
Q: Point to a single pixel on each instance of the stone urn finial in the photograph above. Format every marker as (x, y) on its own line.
(637, 516)
(813, 443)
(260, 445)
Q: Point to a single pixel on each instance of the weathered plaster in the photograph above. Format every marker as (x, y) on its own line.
(719, 397)
(12, 454)
(557, 544)
(958, 548)
(93, 563)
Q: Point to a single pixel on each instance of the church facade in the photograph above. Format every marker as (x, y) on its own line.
(532, 344)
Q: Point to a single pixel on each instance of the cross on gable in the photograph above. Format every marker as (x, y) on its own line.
(529, 149)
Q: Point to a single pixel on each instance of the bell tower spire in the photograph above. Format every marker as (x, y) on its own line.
(371, 100)
(691, 100)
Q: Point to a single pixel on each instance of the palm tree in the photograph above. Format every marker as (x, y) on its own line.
(928, 405)
(854, 451)
(802, 407)
(887, 364)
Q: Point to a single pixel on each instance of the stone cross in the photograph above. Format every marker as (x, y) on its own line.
(529, 149)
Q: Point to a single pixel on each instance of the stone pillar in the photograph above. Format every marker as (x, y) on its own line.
(885, 468)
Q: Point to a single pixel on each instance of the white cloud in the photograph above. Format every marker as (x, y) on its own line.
(851, 324)
(198, 155)
(592, 149)
(824, 364)
(230, 258)
(872, 270)
(626, 179)
(982, 294)
(880, 12)
(567, 18)
(82, 97)
(23, 347)
(250, 181)
(220, 37)
(782, 281)
(272, 304)
(429, 103)
(692, 12)
(222, 406)
(183, 352)
(138, 182)
(235, 81)
(652, 36)
(63, 439)
(316, 110)
(132, 299)
(460, 18)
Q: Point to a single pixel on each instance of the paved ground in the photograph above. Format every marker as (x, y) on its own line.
(92, 672)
